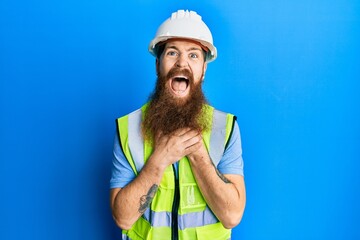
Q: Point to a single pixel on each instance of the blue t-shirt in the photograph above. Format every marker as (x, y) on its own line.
(230, 163)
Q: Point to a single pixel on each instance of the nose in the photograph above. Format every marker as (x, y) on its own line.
(181, 61)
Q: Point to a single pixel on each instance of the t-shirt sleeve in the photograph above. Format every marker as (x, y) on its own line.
(232, 161)
(121, 171)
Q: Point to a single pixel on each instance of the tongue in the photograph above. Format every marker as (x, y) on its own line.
(178, 85)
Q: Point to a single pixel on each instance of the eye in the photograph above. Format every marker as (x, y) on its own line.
(171, 53)
(193, 55)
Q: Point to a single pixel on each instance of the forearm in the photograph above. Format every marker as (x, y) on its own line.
(130, 202)
(224, 195)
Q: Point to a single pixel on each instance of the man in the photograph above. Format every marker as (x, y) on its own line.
(177, 168)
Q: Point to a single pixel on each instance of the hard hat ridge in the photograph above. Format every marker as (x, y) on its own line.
(186, 25)
(185, 14)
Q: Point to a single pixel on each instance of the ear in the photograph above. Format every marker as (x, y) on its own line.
(205, 67)
(204, 71)
(157, 63)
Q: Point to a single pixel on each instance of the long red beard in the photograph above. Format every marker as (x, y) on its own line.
(166, 114)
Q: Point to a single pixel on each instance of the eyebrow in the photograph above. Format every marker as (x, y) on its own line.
(188, 50)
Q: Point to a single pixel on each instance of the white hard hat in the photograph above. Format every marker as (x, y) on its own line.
(188, 25)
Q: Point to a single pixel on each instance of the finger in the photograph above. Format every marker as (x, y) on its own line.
(192, 140)
(192, 148)
(160, 137)
(190, 134)
(182, 131)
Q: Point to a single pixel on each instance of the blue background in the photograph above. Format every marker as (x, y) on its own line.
(289, 70)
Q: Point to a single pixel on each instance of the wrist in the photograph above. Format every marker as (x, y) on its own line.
(199, 157)
(158, 161)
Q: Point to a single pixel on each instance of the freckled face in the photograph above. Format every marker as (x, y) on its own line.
(184, 65)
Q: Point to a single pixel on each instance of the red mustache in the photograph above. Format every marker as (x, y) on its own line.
(176, 71)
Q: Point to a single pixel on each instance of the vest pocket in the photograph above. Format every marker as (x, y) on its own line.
(191, 198)
(214, 231)
(139, 230)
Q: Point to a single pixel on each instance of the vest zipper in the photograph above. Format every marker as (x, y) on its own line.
(175, 208)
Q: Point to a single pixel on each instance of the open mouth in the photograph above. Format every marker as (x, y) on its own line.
(179, 85)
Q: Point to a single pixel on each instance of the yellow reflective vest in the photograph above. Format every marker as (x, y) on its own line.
(178, 209)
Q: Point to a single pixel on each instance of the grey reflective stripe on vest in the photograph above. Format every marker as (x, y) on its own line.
(125, 237)
(197, 219)
(218, 135)
(136, 143)
(158, 219)
(188, 220)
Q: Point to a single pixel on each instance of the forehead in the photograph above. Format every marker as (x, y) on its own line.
(183, 44)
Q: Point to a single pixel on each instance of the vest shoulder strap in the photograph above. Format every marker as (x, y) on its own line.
(222, 125)
(131, 141)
